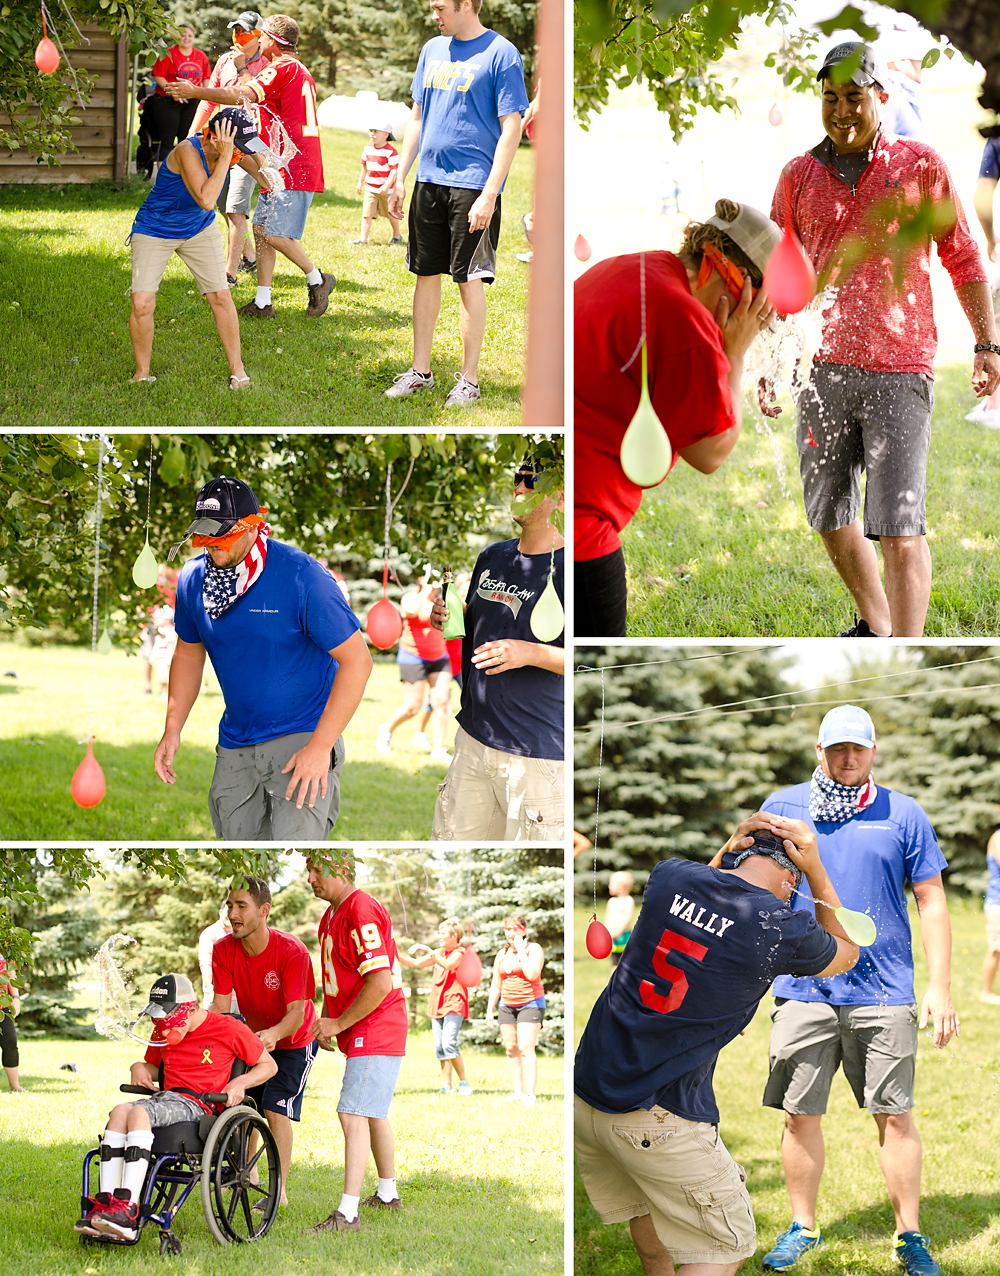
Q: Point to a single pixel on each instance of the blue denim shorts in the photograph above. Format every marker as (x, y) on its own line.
(283, 213)
(445, 1032)
(369, 1082)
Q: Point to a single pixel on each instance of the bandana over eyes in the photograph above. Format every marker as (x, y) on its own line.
(176, 1017)
(833, 803)
(223, 585)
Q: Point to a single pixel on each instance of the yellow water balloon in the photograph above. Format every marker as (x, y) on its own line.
(548, 619)
(104, 643)
(646, 453)
(454, 625)
(146, 571)
(859, 926)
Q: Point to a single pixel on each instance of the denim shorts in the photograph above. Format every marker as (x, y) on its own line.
(369, 1082)
(283, 213)
(445, 1032)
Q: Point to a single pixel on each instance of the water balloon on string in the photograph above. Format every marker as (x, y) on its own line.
(384, 624)
(789, 278)
(88, 786)
(582, 250)
(774, 116)
(548, 620)
(454, 625)
(599, 941)
(46, 53)
(146, 570)
(646, 454)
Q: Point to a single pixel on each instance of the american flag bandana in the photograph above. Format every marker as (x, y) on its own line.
(833, 803)
(223, 585)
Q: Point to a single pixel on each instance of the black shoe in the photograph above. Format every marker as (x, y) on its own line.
(319, 295)
(861, 629)
(246, 265)
(230, 280)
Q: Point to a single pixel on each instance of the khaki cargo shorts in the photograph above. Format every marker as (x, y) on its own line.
(376, 204)
(202, 254)
(678, 1172)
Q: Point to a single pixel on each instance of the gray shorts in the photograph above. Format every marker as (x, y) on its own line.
(877, 1046)
(247, 797)
(168, 1107)
(878, 423)
(241, 188)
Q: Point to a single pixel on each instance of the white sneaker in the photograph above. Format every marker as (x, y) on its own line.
(991, 419)
(529, 1099)
(512, 1098)
(464, 395)
(526, 257)
(383, 743)
(420, 741)
(442, 756)
(990, 998)
(977, 411)
(409, 382)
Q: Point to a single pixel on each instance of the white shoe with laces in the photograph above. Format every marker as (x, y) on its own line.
(977, 411)
(464, 394)
(409, 382)
(383, 742)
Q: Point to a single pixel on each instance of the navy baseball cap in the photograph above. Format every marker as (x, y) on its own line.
(218, 507)
(246, 138)
(869, 70)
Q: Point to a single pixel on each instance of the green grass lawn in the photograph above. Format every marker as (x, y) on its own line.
(481, 1180)
(956, 1111)
(45, 711)
(731, 553)
(67, 359)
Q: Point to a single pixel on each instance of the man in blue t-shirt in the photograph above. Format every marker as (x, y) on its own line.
(703, 952)
(873, 842)
(987, 411)
(291, 662)
(468, 98)
(505, 782)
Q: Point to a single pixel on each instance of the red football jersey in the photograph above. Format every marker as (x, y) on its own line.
(355, 939)
(175, 65)
(266, 983)
(288, 90)
(204, 1059)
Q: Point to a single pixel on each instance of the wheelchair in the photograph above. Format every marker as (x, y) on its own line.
(213, 1154)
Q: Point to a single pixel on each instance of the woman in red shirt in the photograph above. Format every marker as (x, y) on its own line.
(448, 1005)
(424, 670)
(697, 333)
(8, 1033)
(517, 986)
(169, 120)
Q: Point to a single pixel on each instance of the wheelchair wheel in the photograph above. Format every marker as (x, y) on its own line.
(236, 1208)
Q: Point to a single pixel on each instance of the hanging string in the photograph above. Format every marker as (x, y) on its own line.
(677, 660)
(76, 87)
(406, 926)
(97, 579)
(597, 812)
(638, 42)
(642, 314)
(390, 504)
(149, 485)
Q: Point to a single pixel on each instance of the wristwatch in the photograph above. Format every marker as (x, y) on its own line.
(991, 346)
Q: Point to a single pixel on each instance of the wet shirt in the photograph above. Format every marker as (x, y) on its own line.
(286, 89)
(869, 859)
(702, 953)
(874, 323)
(170, 211)
(355, 940)
(688, 383)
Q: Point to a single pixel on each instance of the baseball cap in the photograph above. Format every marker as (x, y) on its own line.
(218, 507)
(382, 126)
(764, 844)
(847, 724)
(869, 71)
(246, 138)
(753, 231)
(252, 21)
(169, 992)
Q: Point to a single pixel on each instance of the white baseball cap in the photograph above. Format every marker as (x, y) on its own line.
(753, 231)
(847, 724)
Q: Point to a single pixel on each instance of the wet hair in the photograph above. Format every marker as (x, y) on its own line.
(285, 27)
(698, 233)
(258, 891)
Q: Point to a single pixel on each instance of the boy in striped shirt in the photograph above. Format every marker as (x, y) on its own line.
(379, 162)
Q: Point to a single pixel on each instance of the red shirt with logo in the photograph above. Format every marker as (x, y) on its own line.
(448, 996)
(355, 939)
(175, 65)
(286, 89)
(266, 983)
(204, 1059)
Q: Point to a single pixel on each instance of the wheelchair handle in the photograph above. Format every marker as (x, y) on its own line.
(137, 1089)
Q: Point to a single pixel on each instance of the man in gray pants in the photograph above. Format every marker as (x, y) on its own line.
(291, 662)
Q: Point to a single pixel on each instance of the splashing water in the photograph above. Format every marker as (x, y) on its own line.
(859, 926)
(281, 150)
(116, 1015)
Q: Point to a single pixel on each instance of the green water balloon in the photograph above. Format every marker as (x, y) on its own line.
(646, 453)
(104, 643)
(859, 926)
(454, 626)
(146, 571)
(548, 618)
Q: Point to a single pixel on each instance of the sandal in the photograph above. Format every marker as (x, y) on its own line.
(142, 381)
(239, 383)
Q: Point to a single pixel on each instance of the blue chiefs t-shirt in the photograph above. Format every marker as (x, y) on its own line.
(462, 88)
(869, 858)
(270, 650)
(703, 952)
(519, 711)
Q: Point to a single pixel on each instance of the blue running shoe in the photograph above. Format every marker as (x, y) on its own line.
(790, 1246)
(910, 1251)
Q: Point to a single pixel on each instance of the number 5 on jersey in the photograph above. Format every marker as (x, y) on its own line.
(672, 974)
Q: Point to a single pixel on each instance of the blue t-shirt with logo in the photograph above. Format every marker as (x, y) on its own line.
(702, 953)
(869, 859)
(519, 711)
(270, 650)
(462, 88)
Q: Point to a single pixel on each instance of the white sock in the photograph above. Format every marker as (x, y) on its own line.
(387, 1189)
(349, 1207)
(263, 297)
(314, 277)
(112, 1169)
(135, 1170)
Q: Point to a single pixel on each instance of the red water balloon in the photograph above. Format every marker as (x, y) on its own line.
(598, 940)
(774, 115)
(88, 779)
(469, 970)
(46, 56)
(384, 624)
(174, 1037)
(789, 280)
(581, 249)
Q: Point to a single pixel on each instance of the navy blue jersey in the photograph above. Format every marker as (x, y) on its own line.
(990, 164)
(703, 952)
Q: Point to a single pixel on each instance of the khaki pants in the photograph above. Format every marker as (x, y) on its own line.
(498, 797)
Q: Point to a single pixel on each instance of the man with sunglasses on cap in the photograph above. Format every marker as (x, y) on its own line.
(867, 404)
(197, 1048)
(708, 942)
(505, 782)
(285, 93)
(291, 661)
(874, 842)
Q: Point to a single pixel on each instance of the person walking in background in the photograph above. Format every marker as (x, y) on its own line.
(9, 1056)
(517, 988)
(170, 120)
(448, 1004)
(424, 670)
(987, 411)
(991, 907)
(206, 941)
(379, 162)
(619, 912)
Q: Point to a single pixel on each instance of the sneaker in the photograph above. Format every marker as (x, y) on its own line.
(990, 998)
(246, 266)
(94, 1205)
(408, 383)
(253, 311)
(977, 412)
(790, 1246)
(445, 1089)
(526, 257)
(465, 1088)
(441, 756)
(990, 419)
(375, 1202)
(910, 1251)
(383, 743)
(512, 1098)
(358, 242)
(396, 239)
(420, 741)
(464, 394)
(230, 281)
(528, 1100)
(120, 1218)
(319, 295)
(861, 629)
(336, 1222)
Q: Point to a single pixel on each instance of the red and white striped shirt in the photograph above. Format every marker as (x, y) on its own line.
(379, 162)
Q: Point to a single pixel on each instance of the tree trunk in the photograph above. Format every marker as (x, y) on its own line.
(332, 76)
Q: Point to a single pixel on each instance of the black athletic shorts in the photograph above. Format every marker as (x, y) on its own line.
(421, 670)
(601, 596)
(531, 1012)
(439, 241)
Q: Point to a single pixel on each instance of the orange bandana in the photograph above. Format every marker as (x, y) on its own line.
(231, 537)
(733, 275)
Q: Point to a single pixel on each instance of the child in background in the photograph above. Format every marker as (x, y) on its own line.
(619, 913)
(379, 162)
(163, 647)
(448, 1006)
